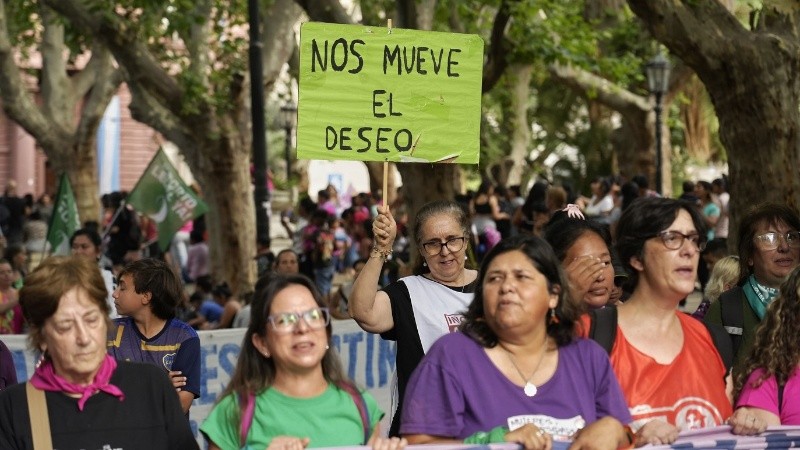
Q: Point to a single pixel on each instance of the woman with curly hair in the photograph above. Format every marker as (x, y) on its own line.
(768, 389)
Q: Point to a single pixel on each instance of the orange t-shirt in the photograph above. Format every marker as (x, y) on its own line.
(688, 393)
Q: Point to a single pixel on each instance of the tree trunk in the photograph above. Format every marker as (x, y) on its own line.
(79, 166)
(428, 182)
(752, 79)
(520, 80)
(228, 189)
(695, 121)
(65, 120)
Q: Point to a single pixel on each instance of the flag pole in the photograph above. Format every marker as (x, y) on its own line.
(45, 252)
(107, 229)
(386, 161)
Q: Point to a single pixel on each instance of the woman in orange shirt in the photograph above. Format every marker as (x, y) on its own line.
(668, 367)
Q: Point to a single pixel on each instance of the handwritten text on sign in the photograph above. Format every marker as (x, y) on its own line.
(371, 94)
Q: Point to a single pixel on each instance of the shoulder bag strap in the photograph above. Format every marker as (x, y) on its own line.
(40, 421)
(361, 404)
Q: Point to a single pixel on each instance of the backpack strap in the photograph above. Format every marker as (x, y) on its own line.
(361, 404)
(603, 328)
(722, 341)
(248, 406)
(731, 304)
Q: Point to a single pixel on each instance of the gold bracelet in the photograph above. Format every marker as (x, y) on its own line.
(383, 254)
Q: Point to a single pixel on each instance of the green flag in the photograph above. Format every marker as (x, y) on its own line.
(64, 220)
(162, 195)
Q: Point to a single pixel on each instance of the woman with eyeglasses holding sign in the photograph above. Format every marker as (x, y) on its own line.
(418, 309)
(288, 390)
(769, 248)
(666, 362)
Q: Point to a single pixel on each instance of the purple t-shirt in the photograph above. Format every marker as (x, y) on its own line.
(457, 391)
(765, 396)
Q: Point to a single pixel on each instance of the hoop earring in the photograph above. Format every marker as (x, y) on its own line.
(554, 320)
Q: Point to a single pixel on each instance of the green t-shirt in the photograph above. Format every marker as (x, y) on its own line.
(330, 419)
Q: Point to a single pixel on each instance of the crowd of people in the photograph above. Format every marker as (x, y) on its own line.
(566, 307)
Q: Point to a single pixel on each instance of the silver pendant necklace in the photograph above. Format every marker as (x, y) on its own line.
(530, 389)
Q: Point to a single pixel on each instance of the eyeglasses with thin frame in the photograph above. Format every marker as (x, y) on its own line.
(674, 240)
(771, 240)
(454, 244)
(315, 318)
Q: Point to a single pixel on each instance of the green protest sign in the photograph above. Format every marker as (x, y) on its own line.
(375, 94)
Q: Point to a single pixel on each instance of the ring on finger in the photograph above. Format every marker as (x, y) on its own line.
(540, 432)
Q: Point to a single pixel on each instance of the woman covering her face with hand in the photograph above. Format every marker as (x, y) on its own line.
(92, 400)
(583, 247)
(517, 372)
(288, 389)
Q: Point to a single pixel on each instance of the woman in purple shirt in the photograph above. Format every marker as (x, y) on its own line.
(517, 372)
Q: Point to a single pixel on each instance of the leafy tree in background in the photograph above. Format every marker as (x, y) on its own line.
(186, 65)
(57, 102)
(750, 70)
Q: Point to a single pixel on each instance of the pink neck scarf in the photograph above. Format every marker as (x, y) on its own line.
(46, 379)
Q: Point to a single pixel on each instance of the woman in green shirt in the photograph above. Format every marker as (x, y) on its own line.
(288, 389)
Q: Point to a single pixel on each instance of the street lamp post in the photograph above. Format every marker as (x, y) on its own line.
(260, 190)
(657, 82)
(289, 121)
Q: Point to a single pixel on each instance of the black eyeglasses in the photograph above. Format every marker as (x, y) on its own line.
(673, 240)
(315, 318)
(771, 240)
(455, 244)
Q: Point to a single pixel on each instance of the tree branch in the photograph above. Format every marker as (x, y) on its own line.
(603, 91)
(16, 99)
(58, 99)
(149, 110)
(132, 53)
(700, 38)
(279, 38)
(330, 11)
(107, 81)
(496, 61)
(197, 44)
